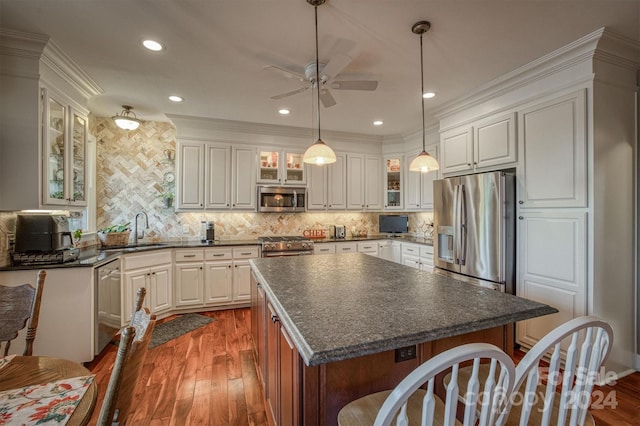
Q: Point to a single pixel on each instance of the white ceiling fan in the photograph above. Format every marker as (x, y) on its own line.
(328, 74)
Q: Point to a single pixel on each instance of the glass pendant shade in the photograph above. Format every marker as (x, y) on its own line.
(319, 153)
(424, 163)
(127, 119)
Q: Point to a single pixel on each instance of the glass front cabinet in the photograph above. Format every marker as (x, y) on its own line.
(64, 139)
(281, 168)
(393, 183)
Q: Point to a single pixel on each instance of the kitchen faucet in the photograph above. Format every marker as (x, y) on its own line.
(135, 230)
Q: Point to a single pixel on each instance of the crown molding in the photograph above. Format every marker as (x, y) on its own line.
(565, 57)
(67, 69)
(24, 45)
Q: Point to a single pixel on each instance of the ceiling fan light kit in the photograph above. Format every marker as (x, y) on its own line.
(424, 162)
(319, 153)
(127, 119)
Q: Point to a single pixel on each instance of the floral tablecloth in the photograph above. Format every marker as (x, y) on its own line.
(45, 404)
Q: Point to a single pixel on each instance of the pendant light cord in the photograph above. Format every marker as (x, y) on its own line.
(422, 93)
(318, 74)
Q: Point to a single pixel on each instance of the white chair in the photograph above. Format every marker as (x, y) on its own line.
(567, 359)
(407, 400)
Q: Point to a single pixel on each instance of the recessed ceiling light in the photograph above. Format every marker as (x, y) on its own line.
(153, 45)
(284, 111)
(377, 123)
(429, 95)
(175, 98)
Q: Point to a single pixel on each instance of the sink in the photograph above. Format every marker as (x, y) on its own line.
(134, 247)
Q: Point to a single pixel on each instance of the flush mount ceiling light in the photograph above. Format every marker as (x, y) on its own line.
(284, 111)
(319, 153)
(127, 119)
(176, 98)
(424, 162)
(429, 95)
(153, 45)
(378, 123)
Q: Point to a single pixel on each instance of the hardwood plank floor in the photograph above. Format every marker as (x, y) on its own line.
(208, 377)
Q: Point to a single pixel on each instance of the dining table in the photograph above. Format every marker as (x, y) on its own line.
(24, 371)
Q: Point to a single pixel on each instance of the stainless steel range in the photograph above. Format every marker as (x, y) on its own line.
(285, 246)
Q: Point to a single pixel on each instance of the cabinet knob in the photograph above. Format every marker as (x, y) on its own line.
(329, 205)
(520, 217)
(200, 204)
(229, 266)
(274, 318)
(475, 163)
(201, 268)
(227, 204)
(520, 202)
(468, 164)
(234, 205)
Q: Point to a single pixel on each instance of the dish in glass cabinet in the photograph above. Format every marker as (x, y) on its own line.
(60, 174)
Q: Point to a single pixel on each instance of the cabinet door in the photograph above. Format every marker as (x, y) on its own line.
(161, 289)
(551, 268)
(355, 182)
(413, 188)
(189, 284)
(411, 261)
(269, 166)
(346, 247)
(241, 280)
(294, 168)
(324, 248)
(426, 183)
(368, 247)
(289, 383)
(132, 282)
(218, 183)
(190, 191)
(393, 183)
(336, 186)
(554, 146)
(373, 183)
(243, 192)
(54, 138)
(495, 141)
(317, 189)
(218, 278)
(457, 150)
(77, 159)
(273, 337)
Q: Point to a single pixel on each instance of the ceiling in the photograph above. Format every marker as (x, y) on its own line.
(216, 51)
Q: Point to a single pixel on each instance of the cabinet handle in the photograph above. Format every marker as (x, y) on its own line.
(245, 254)
(520, 217)
(258, 285)
(520, 202)
(218, 254)
(475, 163)
(188, 255)
(274, 318)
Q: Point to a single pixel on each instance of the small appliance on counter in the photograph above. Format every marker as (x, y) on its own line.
(339, 232)
(208, 231)
(43, 239)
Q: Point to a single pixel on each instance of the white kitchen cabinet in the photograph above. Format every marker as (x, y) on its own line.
(218, 182)
(347, 247)
(417, 256)
(324, 248)
(393, 182)
(243, 192)
(189, 278)
(390, 250)
(154, 272)
(368, 247)
(419, 186)
(426, 258)
(552, 268)
(364, 182)
(553, 140)
(190, 187)
(218, 275)
(484, 144)
(327, 187)
(242, 272)
(281, 167)
(64, 147)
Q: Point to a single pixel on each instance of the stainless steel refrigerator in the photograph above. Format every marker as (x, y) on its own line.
(474, 225)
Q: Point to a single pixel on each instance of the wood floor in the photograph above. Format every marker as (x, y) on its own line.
(208, 377)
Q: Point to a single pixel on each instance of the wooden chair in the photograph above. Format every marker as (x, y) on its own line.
(568, 359)
(128, 365)
(17, 306)
(409, 401)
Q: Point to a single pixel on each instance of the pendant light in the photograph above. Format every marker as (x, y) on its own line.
(127, 119)
(319, 153)
(424, 162)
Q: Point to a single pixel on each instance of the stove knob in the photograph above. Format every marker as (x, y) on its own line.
(288, 245)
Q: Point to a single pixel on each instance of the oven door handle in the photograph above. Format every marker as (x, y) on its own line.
(285, 253)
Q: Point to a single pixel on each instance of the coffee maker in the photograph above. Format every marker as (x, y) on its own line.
(208, 231)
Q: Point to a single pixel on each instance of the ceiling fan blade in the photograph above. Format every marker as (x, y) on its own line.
(293, 92)
(355, 85)
(335, 66)
(326, 98)
(283, 71)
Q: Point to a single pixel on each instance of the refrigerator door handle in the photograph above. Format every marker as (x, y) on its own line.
(455, 224)
(462, 222)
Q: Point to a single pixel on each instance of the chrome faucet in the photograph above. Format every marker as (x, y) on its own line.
(135, 230)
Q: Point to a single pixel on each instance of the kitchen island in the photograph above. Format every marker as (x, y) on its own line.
(329, 329)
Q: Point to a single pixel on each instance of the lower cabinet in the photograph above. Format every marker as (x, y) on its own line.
(154, 272)
(189, 278)
(417, 256)
(390, 250)
(368, 247)
(324, 248)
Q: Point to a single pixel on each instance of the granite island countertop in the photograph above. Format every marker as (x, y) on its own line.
(342, 306)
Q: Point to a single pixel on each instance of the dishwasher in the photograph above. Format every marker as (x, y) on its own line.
(108, 306)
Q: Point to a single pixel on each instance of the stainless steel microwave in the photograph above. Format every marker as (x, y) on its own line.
(282, 199)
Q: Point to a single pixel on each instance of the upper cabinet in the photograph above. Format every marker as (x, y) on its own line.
(64, 145)
(419, 186)
(215, 177)
(483, 144)
(327, 185)
(393, 182)
(364, 182)
(281, 168)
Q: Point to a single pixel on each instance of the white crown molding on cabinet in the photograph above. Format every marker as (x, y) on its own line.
(26, 49)
(67, 69)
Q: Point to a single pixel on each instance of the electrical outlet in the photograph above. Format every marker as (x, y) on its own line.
(185, 228)
(406, 353)
(11, 242)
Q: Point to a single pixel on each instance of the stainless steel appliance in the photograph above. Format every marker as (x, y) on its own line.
(285, 246)
(43, 239)
(281, 199)
(108, 310)
(339, 232)
(475, 229)
(208, 231)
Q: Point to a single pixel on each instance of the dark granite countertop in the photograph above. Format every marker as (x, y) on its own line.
(343, 306)
(96, 256)
(402, 238)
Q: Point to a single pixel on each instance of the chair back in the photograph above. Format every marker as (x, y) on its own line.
(17, 306)
(490, 395)
(570, 374)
